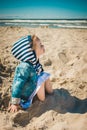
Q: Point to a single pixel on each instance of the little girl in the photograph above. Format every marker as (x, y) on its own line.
(30, 78)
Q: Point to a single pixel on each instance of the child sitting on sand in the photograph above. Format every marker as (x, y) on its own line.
(30, 78)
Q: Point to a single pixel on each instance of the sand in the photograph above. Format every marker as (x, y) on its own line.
(66, 59)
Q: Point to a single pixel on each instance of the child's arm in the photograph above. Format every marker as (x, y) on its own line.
(21, 75)
(14, 104)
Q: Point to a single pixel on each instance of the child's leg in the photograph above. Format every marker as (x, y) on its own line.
(45, 86)
(41, 93)
(48, 86)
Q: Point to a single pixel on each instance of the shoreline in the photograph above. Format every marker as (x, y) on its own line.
(49, 23)
(44, 26)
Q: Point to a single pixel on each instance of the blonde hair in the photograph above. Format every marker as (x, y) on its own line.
(34, 38)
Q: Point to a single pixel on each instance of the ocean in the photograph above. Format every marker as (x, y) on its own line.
(50, 23)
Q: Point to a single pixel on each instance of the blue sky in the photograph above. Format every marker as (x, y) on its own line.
(43, 8)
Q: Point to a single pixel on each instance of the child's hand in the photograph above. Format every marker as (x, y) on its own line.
(13, 108)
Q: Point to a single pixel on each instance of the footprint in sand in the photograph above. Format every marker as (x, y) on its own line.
(63, 57)
(48, 63)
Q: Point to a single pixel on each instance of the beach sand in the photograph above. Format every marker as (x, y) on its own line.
(66, 59)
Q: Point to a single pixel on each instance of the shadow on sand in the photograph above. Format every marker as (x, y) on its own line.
(60, 101)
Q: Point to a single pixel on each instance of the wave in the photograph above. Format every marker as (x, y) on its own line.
(69, 26)
(43, 21)
(46, 23)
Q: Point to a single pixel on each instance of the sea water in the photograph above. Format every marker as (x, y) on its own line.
(50, 23)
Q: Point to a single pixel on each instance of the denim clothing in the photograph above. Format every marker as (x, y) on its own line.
(42, 77)
(24, 83)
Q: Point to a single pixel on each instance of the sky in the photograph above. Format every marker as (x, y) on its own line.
(43, 9)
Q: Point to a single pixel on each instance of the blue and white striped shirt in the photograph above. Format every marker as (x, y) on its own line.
(22, 50)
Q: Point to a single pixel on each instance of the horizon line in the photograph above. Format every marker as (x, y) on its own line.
(43, 18)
